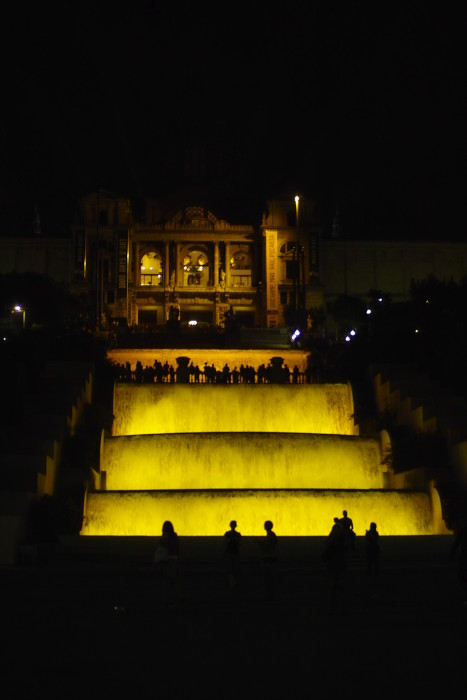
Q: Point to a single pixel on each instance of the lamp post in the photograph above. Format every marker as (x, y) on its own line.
(19, 310)
(297, 262)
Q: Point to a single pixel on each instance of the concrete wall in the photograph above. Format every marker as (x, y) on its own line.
(413, 400)
(355, 267)
(13, 514)
(43, 256)
(31, 452)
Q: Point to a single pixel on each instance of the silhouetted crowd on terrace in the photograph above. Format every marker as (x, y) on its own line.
(192, 374)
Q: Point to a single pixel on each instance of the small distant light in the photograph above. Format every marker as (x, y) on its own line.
(142, 267)
(193, 323)
(352, 332)
(151, 268)
(427, 301)
(347, 338)
(4, 338)
(18, 307)
(368, 312)
(416, 330)
(380, 299)
(295, 334)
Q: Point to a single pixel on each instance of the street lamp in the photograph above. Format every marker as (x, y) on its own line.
(297, 262)
(19, 310)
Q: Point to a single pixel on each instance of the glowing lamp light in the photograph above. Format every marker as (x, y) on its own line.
(368, 312)
(380, 299)
(295, 334)
(347, 338)
(19, 309)
(352, 332)
(193, 323)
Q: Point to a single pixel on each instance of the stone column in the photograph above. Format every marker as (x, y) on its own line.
(227, 264)
(166, 264)
(137, 266)
(216, 264)
(178, 280)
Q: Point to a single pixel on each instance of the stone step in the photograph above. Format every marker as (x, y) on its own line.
(206, 552)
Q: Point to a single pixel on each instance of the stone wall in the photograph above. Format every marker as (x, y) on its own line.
(355, 267)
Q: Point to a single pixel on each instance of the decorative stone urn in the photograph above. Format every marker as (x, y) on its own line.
(182, 372)
(277, 372)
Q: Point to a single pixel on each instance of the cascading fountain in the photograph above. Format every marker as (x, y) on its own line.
(202, 455)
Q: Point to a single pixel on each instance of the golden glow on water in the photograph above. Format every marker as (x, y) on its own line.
(241, 461)
(294, 513)
(202, 455)
(145, 409)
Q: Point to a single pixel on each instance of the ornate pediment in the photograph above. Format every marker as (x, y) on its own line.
(192, 217)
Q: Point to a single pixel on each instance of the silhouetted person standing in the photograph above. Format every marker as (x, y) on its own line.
(346, 521)
(347, 524)
(232, 553)
(337, 525)
(269, 557)
(335, 556)
(167, 554)
(372, 549)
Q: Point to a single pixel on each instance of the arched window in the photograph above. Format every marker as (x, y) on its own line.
(151, 269)
(289, 261)
(195, 268)
(240, 267)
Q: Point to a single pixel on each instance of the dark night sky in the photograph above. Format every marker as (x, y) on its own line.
(355, 104)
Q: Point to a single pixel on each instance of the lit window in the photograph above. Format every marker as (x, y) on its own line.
(151, 269)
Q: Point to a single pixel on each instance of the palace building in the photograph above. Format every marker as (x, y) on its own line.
(190, 262)
(184, 258)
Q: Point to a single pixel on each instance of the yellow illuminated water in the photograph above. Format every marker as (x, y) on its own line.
(301, 513)
(202, 455)
(145, 409)
(241, 461)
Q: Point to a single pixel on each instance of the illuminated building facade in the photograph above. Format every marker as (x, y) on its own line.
(182, 258)
(185, 262)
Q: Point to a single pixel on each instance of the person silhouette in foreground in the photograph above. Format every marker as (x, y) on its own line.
(269, 557)
(372, 549)
(336, 526)
(167, 553)
(335, 557)
(232, 553)
(459, 549)
(347, 524)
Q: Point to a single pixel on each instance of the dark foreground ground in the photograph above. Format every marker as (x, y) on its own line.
(95, 621)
